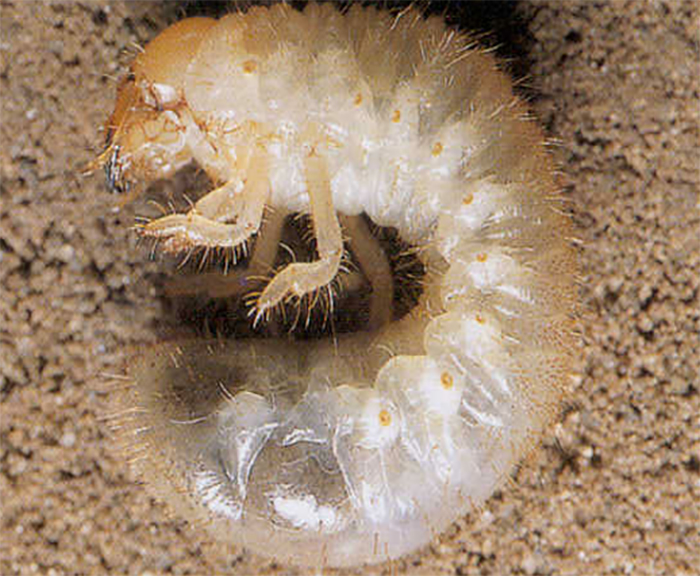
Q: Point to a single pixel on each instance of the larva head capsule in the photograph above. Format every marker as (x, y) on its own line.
(146, 133)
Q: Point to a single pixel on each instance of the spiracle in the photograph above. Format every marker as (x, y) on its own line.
(356, 447)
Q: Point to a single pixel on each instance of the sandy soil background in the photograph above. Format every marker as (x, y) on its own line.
(616, 488)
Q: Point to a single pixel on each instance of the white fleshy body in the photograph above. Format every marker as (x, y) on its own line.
(325, 454)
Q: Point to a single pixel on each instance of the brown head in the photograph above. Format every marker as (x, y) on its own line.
(145, 132)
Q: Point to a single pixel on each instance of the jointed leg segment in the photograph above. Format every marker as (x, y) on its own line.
(237, 282)
(205, 225)
(299, 279)
(375, 265)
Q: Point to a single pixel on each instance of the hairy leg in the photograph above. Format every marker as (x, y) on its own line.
(205, 225)
(299, 279)
(237, 282)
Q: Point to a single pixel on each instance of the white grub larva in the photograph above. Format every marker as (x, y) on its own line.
(362, 447)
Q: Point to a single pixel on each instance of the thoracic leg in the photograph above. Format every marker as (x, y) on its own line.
(375, 266)
(205, 225)
(299, 279)
(238, 281)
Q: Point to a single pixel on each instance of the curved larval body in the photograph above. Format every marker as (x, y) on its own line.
(362, 448)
